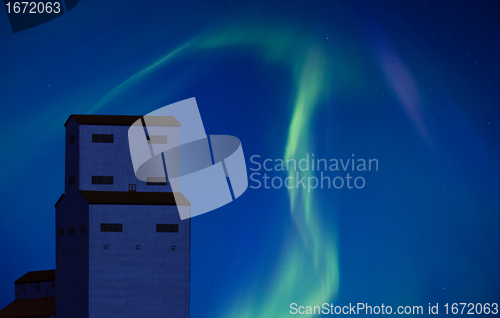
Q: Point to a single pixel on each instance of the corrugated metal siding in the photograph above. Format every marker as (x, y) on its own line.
(72, 254)
(111, 159)
(152, 281)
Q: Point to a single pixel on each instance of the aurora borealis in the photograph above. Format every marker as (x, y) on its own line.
(308, 69)
(392, 81)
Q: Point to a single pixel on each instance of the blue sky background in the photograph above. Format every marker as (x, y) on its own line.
(414, 85)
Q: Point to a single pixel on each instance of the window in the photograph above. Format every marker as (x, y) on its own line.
(131, 187)
(37, 286)
(71, 230)
(71, 139)
(156, 181)
(53, 284)
(103, 138)
(83, 229)
(102, 180)
(60, 231)
(111, 227)
(71, 180)
(157, 139)
(23, 288)
(167, 227)
(18, 295)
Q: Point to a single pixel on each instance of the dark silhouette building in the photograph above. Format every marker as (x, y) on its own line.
(121, 248)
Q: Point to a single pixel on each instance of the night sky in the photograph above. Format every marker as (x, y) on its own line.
(415, 85)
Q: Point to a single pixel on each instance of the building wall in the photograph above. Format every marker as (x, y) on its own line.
(171, 148)
(72, 156)
(72, 253)
(125, 281)
(113, 159)
(122, 280)
(31, 290)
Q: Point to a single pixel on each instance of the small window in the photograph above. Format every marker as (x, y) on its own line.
(102, 180)
(157, 139)
(111, 227)
(167, 227)
(37, 286)
(60, 231)
(71, 180)
(71, 139)
(156, 181)
(103, 138)
(23, 288)
(83, 229)
(53, 284)
(71, 230)
(131, 187)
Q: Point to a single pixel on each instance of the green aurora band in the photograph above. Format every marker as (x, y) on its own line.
(309, 271)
